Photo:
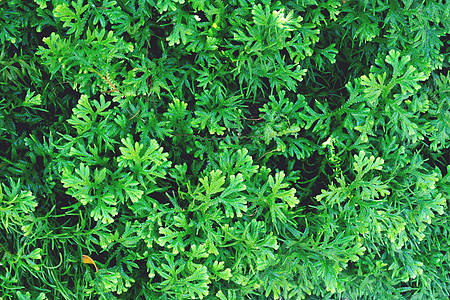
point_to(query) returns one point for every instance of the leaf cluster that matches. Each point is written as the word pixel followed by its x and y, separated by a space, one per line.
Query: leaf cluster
pixel 224 149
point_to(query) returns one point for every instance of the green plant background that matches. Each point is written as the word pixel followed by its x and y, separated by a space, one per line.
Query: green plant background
pixel 209 149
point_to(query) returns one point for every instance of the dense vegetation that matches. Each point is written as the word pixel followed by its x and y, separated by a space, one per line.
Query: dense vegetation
pixel 209 149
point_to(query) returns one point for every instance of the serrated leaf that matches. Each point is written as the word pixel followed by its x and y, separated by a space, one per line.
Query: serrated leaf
pixel 198 282
pixel 230 198
pixel 219 270
pixel 363 164
pixel 72 19
pixel 174 239
pixel 130 187
pixel 328 271
pixel 198 251
pixel 99 176
pixel 130 152
pixel 79 184
pixel 374 87
pixel 31 99
pixel 213 183
pixel 136 155
pixel 104 212
pixel 408 79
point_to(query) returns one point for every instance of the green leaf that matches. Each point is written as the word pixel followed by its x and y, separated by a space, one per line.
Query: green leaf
pixel 197 282
pixel 31 99
pixel 231 197
pixel 42 3
pixel 147 162
pixel 329 271
pixel 79 184
pixel 27 296
pixel 84 115
pixel 268 134
pixel 70 18
pixel 131 188
pixel 278 200
pixel 213 183
pixel 219 270
pixel 131 153
pixel 334 194
pixel 198 251
pixel 106 280
pixel 131 234
pixel 407 77
pixel 30 258
pixel 363 164
pixel 104 212
pixel 329 53
pixel 374 87
pixel 174 239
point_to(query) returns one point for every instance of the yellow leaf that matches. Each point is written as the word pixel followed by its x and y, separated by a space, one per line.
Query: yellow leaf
pixel 88 260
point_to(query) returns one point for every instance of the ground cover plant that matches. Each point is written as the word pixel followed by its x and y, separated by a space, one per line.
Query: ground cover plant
pixel 208 149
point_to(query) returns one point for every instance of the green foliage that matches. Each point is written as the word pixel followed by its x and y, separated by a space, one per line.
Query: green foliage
pixel 17 208
pixel 224 150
